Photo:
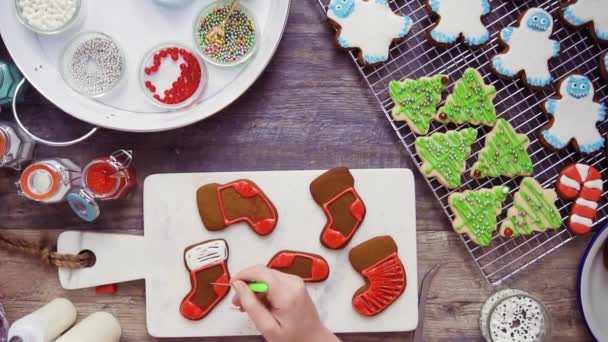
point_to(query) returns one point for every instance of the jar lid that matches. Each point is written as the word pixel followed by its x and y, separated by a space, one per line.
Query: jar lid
pixel 39 181
pixel 84 205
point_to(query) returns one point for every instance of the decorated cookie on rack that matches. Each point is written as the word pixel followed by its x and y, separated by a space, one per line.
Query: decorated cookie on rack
pixel 587 13
pixel 458 19
pixel 416 100
pixel 444 155
pixel 475 212
pixel 604 65
pixel 370 26
pixel 573 117
pixel 583 184
pixel 469 102
pixel 533 210
pixel 377 260
pixel 310 267
pixel 528 49
pixel 504 154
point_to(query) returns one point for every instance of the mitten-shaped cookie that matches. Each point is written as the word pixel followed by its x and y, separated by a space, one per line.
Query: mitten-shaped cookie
pixel 310 267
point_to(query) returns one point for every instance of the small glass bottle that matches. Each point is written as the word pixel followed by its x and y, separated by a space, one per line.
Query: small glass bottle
pixel 50 180
pixel 16 147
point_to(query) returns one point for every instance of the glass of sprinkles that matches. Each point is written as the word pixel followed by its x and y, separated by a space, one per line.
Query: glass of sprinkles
pixel 93 64
pixel 172 76
pixel 48 16
pixel 241 34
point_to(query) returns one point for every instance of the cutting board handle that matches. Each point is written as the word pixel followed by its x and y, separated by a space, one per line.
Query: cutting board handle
pixel 118 258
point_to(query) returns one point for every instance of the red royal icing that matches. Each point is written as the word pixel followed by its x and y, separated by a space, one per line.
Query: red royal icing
pixel 319 267
pixel 189 309
pixel 333 238
pixel 99 180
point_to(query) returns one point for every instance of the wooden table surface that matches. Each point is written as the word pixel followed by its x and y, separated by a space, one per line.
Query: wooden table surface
pixel 309 110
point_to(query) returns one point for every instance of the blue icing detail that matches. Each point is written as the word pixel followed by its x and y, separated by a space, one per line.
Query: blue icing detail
pixel 602 112
pixel 435 5
pixel 550 106
pixel 342 8
pixel 343 43
pixel 578 86
pixel 441 37
pixel 556 48
pixel 594 146
pixel 553 140
pixel 382 2
pixel 485 5
pixel 539 82
pixel 407 25
pixel 477 40
pixel 506 34
pixel 601 35
pixel 540 21
pixel 499 67
pixel 571 17
pixel 606 61
pixel 372 59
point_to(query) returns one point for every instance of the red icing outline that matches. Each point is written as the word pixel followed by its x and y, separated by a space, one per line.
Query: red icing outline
pixel 319 269
pixel 332 238
pixel 589 194
pixel 192 311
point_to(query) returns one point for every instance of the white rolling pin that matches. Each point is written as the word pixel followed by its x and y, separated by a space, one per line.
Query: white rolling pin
pixel 98 327
pixel 44 324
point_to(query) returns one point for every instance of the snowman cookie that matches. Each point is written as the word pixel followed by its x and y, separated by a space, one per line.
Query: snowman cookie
pixel 587 13
pixel 574 115
pixel 528 49
pixel 367 25
pixel 604 65
pixel 458 19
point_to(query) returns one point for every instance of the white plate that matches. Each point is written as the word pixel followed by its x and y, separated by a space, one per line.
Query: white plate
pixel 593 287
pixel 138 26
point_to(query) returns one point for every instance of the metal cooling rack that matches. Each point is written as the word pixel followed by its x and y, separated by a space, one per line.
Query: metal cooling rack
pixel 415 57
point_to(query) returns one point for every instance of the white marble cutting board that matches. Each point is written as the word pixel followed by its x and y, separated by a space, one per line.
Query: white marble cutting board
pixel 172 223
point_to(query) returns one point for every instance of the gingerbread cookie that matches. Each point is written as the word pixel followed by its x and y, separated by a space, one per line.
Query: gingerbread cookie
pixel 469 102
pixel 504 154
pixel 458 19
pixel 370 26
pixel 604 65
pixel 444 155
pixel 528 49
pixel 416 100
pixel 335 192
pixel 240 201
pixel 574 116
pixel 207 263
pixel 583 184
pixel 378 262
pixel 533 210
pixel 475 212
pixel 587 13
pixel 310 267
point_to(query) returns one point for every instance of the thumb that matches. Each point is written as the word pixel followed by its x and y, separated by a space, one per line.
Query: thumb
pixel 260 315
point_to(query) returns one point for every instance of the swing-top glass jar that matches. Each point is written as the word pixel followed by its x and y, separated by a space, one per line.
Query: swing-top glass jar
pixel 50 180
pixel 16 147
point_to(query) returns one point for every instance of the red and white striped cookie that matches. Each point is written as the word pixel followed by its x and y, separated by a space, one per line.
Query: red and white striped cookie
pixel 583 184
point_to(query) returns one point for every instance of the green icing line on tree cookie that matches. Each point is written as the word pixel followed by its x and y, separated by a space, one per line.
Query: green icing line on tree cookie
pixel 504 153
pixel 446 153
pixel 536 211
pixel 471 101
pixel 416 100
pixel 477 210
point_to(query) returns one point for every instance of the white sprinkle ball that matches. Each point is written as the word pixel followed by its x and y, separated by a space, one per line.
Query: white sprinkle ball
pixel 47 15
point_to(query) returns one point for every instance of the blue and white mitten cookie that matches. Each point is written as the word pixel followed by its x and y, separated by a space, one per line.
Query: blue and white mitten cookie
pixel 458 19
pixel 528 49
pixel 592 14
pixel 574 115
pixel 604 64
pixel 367 25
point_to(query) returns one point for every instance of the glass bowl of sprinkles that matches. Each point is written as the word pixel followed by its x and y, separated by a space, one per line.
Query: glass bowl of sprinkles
pixel 172 76
pixel 93 64
pixel 241 34
pixel 48 16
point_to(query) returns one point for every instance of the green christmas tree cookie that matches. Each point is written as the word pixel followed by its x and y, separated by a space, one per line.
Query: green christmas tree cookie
pixel 470 101
pixel 416 100
pixel 504 154
pixel 444 154
pixel 533 210
pixel 475 212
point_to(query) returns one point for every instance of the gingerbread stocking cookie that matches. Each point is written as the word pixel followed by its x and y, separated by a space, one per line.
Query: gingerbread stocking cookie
pixel 589 13
pixel 335 192
pixel 574 115
pixel 207 263
pixel 459 18
pixel 583 184
pixel 370 26
pixel 378 262
pixel 240 201
pixel 310 267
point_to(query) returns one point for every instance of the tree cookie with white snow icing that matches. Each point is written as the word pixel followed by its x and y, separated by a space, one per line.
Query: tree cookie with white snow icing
pixel 458 19
pixel 528 49
pixel 574 115
pixel 587 13
pixel 367 25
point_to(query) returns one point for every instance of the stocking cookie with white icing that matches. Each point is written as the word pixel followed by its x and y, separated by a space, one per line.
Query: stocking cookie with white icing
pixel 458 19
pixel 367 25
pixel 587 13
pixel 604 65
pixel 574 115
pixel 528 49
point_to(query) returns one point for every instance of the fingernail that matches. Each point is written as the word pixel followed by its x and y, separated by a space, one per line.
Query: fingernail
pixel 236 308
pixel 239 286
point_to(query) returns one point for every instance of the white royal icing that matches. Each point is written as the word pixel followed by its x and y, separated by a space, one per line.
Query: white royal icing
pixel 570 182
pixel 460 17
pixel 581 220
pixel 583 170
pixel 206 254
pixel 595 184
pixel 582 12
pixel 368 25
pixel 586 203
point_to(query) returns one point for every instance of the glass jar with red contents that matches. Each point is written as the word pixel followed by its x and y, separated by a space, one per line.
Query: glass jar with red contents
pixel 16 147
pixel 49 181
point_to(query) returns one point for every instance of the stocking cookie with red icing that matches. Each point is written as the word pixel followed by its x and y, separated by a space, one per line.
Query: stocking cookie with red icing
pixel 335 192
pixel 310 267
pixel 239 201
pixel 207 263
pixel 583 184
pixel 378 262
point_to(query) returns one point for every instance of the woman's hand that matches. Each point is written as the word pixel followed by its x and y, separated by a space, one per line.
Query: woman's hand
pixel 286 312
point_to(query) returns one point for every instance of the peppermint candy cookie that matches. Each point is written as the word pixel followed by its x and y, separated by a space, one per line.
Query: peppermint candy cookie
pixel 367 25
pixel 527 49
pixel 587 13
pixel 458 19
pixel 574 115
pixel 583 184
pixel 604 65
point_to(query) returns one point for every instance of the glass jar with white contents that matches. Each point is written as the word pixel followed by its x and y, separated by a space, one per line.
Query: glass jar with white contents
pixel 50 180
pixel 49 17
pixel 16 147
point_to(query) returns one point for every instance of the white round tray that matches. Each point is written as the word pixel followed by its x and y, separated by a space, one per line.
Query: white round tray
pixel 138 26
